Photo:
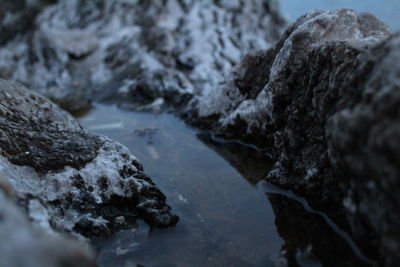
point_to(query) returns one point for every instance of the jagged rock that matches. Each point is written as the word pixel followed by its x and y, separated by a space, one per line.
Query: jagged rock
pixel 34 132
pixel 66 179
pixel 245 102
pixel 325 99
pixel 150 55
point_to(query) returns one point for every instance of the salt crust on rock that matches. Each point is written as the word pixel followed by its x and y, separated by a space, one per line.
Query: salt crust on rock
pixel 78 194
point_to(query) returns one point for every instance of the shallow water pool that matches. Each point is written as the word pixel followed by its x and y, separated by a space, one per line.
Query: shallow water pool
pixel 225 218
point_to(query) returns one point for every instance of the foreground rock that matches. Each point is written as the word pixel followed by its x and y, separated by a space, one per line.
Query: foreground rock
pixel 326 99
pixel 67 180
pixel 23 245
pixel 154 55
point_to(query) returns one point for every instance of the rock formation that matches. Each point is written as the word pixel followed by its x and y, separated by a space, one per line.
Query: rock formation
pixel 325 100
pixel 153 54
pixel 66 179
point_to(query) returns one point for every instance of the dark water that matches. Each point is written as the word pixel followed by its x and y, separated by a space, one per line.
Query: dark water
pixel 386 10
pixel 228 217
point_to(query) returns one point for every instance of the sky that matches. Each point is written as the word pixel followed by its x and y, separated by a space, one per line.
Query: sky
pixel 386 10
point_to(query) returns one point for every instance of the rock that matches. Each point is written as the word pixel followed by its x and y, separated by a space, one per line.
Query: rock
pixel 38 248
pixel 363 144
pixel 68 180
pixel 16 17
pixel 325 98
pixel 36 133
pixel 144 56
pixel 242 102
pixel 75 102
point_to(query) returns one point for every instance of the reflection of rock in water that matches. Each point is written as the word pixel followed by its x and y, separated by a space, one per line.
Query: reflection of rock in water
pixel 308 236
pixel 309 239
pixel 253 164
pixel 148 133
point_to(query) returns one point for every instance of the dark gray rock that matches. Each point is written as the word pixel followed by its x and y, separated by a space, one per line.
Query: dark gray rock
pixel 363 144
pixel 325 98
pixel 66 179
pixel 149 55
pixel 34 132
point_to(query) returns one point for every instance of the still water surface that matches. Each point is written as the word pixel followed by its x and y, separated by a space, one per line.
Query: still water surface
pixel 225 218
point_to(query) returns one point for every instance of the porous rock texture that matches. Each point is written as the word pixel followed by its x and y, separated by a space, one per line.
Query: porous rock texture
pixel 325 98
pixel 68 180
pixel 154 54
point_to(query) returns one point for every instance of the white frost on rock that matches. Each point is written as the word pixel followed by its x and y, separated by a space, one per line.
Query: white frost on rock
pixel 61 187
pixel 66 179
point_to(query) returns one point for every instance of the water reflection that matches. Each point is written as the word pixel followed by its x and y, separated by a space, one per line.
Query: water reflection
pixel 250 162
pixel 311 238
pixel 225 219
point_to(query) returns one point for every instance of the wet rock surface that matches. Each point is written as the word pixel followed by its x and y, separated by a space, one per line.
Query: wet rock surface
pixel 325 99
pixel 67 180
